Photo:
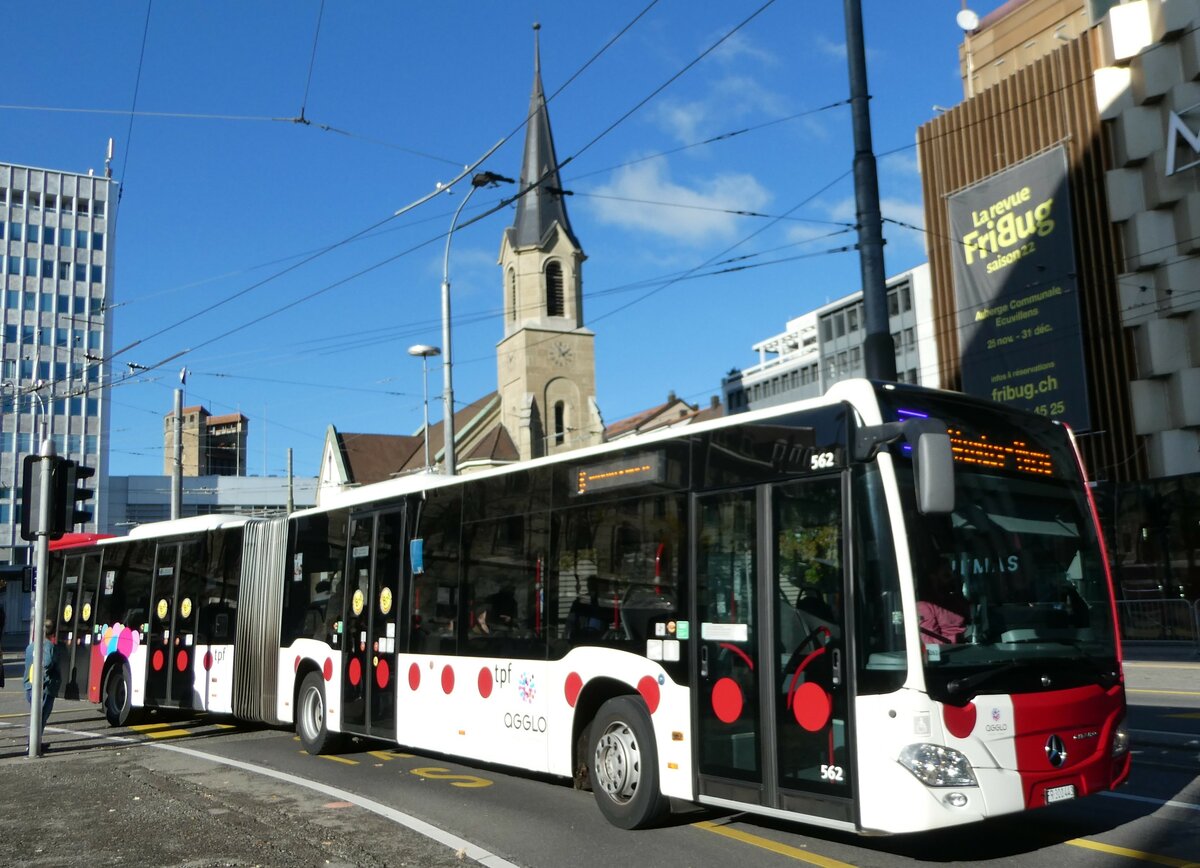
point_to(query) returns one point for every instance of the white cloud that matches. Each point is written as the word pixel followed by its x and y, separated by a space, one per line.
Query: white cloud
pixel 694 224
pixel 901 163
pixel 740 48
pixel 834 49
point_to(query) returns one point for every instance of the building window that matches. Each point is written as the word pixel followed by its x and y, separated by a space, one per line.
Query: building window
pixel 80 272
pixel 560 423
pixel 66 237
pixel 554 290
pixel 98 209
pixel 81 237
pixel 97 274
pixel 48 234
pixel 97 241
pixel 32 233
pixel 16 232
pixel 51 202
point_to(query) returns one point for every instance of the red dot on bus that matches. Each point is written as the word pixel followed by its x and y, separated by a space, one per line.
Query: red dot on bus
pixel 648 687
pixel 727 700
pixel 181 661
pixel 354 672
pixel 572 687
pixel 383 673
pixel 485 682
pixel 959 721
pixel 295 664
pixel 812 706
pixel 157 660
pixel 447 679
pixel 414 676
pixel 327 669
pixel 208 661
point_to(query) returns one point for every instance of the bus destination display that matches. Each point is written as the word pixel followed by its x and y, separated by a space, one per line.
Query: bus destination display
pixel 631 470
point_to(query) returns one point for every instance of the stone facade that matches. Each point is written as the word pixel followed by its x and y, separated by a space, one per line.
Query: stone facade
pixel 1148 94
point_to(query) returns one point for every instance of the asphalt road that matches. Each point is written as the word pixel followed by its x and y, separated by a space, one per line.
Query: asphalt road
pixel 187 792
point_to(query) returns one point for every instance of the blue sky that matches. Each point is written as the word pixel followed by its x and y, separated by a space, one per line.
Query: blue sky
pixel 225 198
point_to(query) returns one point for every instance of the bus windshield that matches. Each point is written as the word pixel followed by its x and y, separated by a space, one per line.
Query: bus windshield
pixel 1012 591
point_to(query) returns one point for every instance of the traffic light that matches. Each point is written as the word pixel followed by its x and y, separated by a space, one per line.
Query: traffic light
pixel 33 467
pixel 71 502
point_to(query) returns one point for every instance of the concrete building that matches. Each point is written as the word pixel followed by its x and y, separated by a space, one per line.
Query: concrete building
pixel 823 346
pixel 56 271
pixel 1113 94
pixel 135 500
pixel 212 445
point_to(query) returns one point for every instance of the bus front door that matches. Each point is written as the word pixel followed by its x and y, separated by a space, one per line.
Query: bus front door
pixel 375 566
pixel 772 698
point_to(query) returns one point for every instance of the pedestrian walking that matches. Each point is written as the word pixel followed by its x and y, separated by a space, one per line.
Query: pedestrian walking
pixel 51 678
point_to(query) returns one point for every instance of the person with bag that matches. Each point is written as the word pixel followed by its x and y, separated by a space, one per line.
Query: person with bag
pixel 51 678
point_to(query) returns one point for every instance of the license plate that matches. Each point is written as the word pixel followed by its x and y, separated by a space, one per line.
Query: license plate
pixel 1060 794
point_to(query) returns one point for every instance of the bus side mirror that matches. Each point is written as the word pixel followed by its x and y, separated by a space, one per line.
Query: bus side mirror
pixel 933 468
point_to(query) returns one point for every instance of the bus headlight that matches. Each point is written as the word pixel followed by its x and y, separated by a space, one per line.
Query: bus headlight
pixel 938 766
pixel 1120 740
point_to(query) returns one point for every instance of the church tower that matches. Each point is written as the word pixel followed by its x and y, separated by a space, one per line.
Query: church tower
pixel 546 361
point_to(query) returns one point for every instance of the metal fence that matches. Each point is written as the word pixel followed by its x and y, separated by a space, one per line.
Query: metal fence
pixel 1160 620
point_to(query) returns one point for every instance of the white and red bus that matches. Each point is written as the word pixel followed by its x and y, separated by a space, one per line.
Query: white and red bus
pixel 883 611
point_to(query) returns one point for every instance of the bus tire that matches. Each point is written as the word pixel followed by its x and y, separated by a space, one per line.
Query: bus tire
pixel 310 716
pixel 624 765
pixel 117 695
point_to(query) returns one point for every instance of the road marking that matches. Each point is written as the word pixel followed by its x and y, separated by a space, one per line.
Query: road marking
pixel 1133 854
pixel 773 846
pixel 1191 715
pixel 26 714
pixel 1172 803
pixel 1165 692
pixel 448 839
pixel 434 773
pixel 158 730
pixel 382 754
pixel 334 759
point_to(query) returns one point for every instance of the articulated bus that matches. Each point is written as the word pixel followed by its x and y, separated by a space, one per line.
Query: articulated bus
pixel 883 611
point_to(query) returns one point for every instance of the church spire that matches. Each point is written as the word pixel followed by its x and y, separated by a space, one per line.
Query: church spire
pixel 542 207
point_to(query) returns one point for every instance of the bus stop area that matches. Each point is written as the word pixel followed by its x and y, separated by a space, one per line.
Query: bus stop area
pixel 112 797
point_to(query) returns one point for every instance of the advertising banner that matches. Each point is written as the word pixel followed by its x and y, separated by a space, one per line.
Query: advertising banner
pixel 1019 333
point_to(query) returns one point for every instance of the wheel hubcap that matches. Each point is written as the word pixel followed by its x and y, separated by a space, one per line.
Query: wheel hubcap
pixel 314 714
pixel 617 762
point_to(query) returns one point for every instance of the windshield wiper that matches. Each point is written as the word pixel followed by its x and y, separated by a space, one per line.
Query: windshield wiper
pixel 970 682
pixel 1106 677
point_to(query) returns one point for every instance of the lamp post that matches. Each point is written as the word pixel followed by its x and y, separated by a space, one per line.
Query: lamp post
pixel 481 179
pixel 425 351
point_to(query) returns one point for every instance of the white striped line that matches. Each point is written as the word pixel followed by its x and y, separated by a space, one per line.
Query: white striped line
pixel 469 850
pixel 1172 803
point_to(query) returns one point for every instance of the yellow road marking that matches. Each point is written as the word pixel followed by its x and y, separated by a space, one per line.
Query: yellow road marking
pixel 336 759
pixel 1133 854
pixel 159 730
pixel 773 846
pixel 1194 715
pixel 382 754
pixel 26 714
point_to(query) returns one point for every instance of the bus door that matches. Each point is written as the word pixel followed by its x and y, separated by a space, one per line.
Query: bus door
pixel 170 643
pixel 371 622
pixel 62 596
pixel 76 603
pixel 772 698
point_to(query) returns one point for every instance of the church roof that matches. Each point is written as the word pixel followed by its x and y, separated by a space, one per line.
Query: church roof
pixel 376 457
pixel 543 206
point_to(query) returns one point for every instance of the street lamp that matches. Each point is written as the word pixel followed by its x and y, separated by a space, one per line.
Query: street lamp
pixel 425 351
pixel 481 179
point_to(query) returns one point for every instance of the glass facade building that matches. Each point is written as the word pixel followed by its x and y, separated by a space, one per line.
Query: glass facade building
pixel 56 273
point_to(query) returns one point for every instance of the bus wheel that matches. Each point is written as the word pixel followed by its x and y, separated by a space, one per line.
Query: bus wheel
pixel 310 716
pixel 117 697
pixel 624 765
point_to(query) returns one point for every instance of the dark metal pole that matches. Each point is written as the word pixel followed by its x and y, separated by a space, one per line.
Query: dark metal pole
pixel 879 350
